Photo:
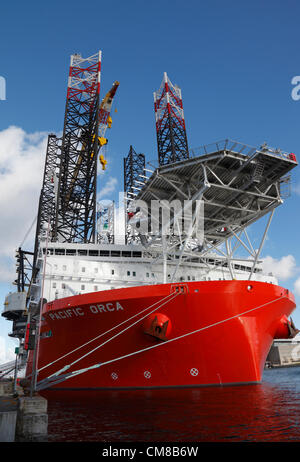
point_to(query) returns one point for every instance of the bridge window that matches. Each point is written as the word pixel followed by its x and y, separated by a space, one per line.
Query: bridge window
pixel 59 251
pixel 93 253
pixel 136 254
pixel 82 287
pixel 49 251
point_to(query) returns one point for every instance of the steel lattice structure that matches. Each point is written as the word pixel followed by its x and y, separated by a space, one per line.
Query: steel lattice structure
pixel 172 142
pixel 76 201
pixel 46 210
pixel 134 174
pixel 105 222
pixel 134 166
pixel 237 184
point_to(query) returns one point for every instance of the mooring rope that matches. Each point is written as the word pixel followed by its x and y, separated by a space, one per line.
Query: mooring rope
pixel 104 333
pixel 162 302
pixel 81 371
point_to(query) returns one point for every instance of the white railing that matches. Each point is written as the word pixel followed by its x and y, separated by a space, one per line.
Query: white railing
pixel 240 148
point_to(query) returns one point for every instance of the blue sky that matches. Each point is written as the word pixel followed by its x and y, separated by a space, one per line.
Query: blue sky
pixel 234 62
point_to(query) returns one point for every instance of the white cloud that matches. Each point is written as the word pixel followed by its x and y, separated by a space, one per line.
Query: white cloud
pixel 7 353
pixel 283 269
pixel 297 288
pixel 22 158
pixel 109 188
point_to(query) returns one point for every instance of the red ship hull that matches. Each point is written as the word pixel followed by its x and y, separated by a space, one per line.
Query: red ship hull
pixel 168 335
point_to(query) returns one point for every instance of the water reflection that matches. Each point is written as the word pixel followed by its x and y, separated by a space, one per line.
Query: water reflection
pixel 264 412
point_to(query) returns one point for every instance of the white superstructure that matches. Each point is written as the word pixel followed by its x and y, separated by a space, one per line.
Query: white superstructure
pixel 72 269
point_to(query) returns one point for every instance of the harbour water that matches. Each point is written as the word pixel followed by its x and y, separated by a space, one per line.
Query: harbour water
pixel 266 412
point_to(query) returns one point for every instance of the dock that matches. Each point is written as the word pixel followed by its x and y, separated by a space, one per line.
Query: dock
pixel 22 418
pixel 284 353
pixel 8 418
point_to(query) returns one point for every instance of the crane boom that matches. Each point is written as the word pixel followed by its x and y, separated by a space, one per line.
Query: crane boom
pixel 104 122
pixel 105 119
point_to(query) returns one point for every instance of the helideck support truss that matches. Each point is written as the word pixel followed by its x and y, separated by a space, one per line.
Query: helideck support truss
pixel 171 136
pixel 76 200
pixel 237 184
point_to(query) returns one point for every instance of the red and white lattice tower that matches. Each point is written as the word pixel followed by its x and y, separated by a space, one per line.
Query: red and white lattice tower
pixel 170 124
pixel 76 200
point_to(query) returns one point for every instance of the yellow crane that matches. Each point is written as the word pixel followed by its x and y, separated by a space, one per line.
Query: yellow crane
pixel 105 121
